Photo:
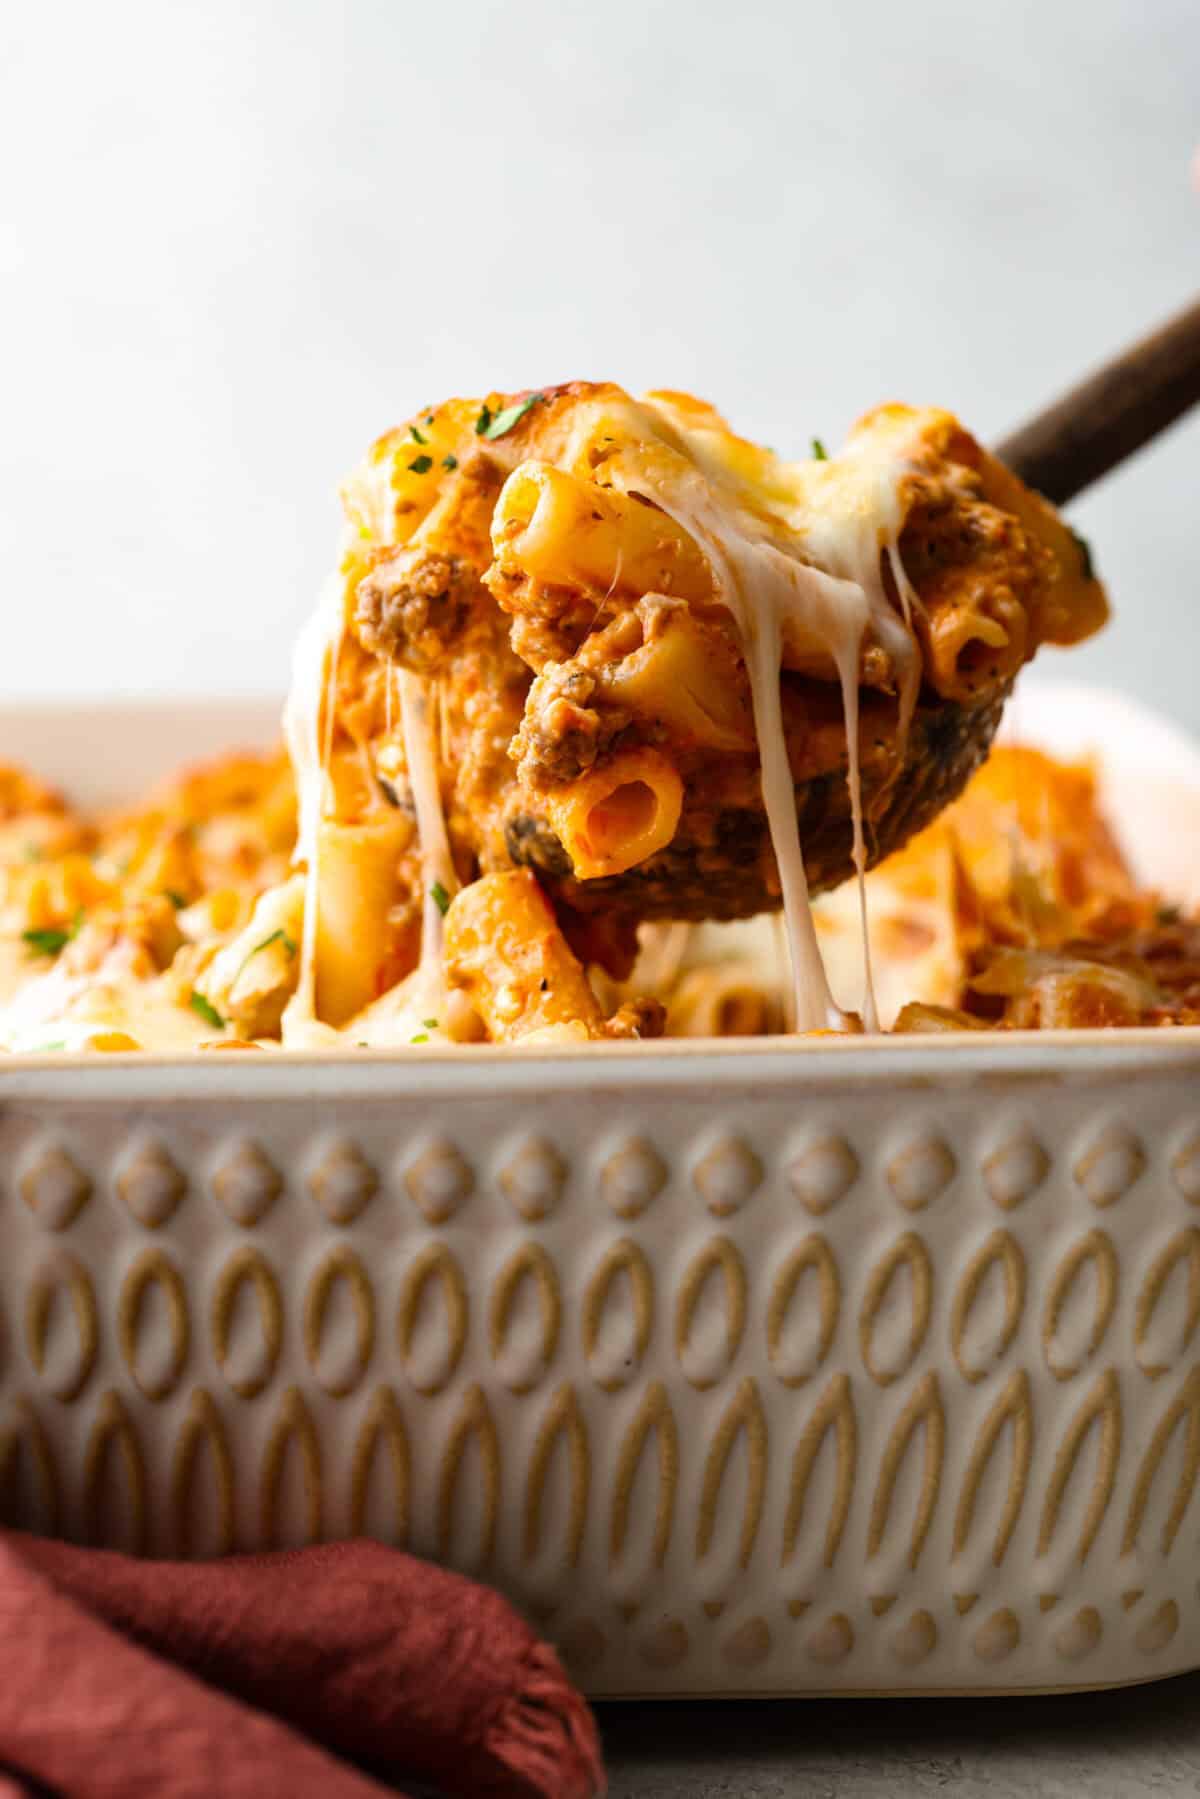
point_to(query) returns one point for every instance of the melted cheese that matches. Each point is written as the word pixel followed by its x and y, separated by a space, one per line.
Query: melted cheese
pixel 407 1011
pixel 437 864
pixel 858 518
pixel 64 1012
pixel 307 727
pixel 848 514
pixel 419 1008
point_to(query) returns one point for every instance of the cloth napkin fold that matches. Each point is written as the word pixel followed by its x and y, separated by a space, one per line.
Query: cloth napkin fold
pixel 254 1675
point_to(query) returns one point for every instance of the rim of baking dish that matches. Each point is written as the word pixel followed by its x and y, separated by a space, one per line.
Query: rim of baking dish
pixel 946 1059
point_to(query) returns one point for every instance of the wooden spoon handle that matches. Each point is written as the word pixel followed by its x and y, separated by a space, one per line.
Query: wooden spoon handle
pixel 1110 414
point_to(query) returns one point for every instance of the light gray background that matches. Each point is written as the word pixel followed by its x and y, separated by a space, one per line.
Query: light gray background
pixel 241 238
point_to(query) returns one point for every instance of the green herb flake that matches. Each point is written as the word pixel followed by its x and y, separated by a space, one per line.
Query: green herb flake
pixel 1085 554
pixel 431 1024
pixel 176 898
pixel 78 922
pixel 450 461
pixel 421 465
pixel 46 943
pixel 820 453
pixel 418 437
pixel 484 421
pixel 280 936
pixel 47 1049
pixel 504 421
pixel 419 1038
pixel 440 898
pixel 201 1007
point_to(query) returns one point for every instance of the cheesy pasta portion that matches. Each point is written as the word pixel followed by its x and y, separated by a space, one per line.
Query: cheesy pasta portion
pixel 595 565
pixel 594 675
pixel 1015 909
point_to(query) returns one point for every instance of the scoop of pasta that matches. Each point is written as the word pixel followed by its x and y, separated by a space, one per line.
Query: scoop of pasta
pixel 631 621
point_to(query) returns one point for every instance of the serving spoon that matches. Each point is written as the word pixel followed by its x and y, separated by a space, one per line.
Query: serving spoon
pixel 1111 414
pixel 1067 447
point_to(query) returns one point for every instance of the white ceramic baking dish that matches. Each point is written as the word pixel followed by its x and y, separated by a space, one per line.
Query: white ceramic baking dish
pixel 837 1366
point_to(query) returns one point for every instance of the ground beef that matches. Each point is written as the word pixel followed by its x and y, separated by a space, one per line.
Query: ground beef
pixel 412 606
pixel 563 733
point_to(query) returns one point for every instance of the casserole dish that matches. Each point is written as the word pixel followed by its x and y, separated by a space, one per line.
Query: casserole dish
pixel 840 1365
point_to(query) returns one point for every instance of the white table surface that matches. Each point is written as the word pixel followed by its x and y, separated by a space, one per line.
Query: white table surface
pixel 1145 1740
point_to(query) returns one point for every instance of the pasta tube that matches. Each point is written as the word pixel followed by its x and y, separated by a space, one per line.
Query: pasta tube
pixel 505 952
pixel 618 813
pixel 357 887
pixel 551 529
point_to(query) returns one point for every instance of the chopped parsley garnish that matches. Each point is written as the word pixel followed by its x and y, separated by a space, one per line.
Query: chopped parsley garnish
pixel 429 418
pixel 440 898
pixel 1085 554
pixel 421 465
pixel 450 461
pixel 417 436
pixel 431 1024
pixel 504 421
pixel 201 1007
pixel 276 936
pixel 46 1049
pixel 388 791
pixel 176 898
pixel 820 453
pixel 280 936
pixel 46 943
pixel 483 422
pixel 419 1038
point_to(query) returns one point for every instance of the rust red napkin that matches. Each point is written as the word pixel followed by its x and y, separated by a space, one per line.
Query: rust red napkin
pixel 256 1675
